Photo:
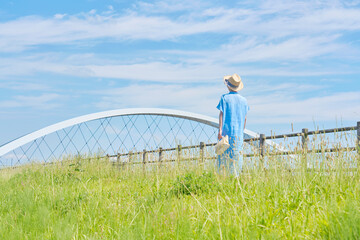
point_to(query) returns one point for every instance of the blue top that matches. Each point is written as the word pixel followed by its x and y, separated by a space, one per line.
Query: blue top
pixel 234 108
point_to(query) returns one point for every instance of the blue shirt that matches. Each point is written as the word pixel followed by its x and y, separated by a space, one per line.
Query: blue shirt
pixel 234 108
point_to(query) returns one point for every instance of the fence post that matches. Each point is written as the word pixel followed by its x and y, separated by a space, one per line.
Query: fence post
pixel 262 144
pixel 304 142
pixel 179 150
pixel 144 159
pixel 130 156
pixel 202 146
pixel 118 159
pixel 304 139
pixel 160 154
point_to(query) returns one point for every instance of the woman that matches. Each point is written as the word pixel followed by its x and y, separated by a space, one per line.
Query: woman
pixel 232 120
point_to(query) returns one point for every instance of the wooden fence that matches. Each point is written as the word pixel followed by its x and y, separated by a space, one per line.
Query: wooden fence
pixel 304 134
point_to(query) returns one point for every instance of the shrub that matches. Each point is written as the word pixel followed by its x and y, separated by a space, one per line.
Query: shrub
pixel 195 183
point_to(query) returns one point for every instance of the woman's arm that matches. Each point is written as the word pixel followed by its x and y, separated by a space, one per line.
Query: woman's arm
pixel 220 125
pixel 245 123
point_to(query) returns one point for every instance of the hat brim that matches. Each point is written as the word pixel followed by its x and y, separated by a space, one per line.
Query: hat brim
pixel 241 85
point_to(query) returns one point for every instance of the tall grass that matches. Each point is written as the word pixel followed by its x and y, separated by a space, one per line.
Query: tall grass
pixel 93 199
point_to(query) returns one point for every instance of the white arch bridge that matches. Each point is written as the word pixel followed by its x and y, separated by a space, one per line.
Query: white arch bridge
pixel 112 132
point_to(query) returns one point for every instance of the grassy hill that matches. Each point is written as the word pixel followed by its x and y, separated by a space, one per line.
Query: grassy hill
pixel 82 199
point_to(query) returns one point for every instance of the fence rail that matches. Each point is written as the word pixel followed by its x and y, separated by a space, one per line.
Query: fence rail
pixel 304 134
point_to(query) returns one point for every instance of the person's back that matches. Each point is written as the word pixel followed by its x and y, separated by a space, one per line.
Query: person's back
pixel 232 120
pixel 234 108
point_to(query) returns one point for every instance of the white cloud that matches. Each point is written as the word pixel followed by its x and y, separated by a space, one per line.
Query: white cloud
pixel 269 105
pixel 42 102
pixel 159 72
pixel 208 69
pixel 291 90
pixel 168 6
pixel 256 50
pixel 190 98
pixel 257 36
pixel 301 48
pixel 24 86
pixel 312 19
pixel 284 108
pixel 59 16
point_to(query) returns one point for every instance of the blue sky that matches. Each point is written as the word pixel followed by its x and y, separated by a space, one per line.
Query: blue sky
pixel 299 60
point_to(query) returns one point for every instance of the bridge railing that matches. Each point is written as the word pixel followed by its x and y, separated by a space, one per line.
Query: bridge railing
pixel 205 151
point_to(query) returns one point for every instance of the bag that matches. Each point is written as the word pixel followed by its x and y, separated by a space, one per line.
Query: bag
pixel 222 145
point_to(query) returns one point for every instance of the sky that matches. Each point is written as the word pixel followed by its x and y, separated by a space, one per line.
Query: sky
pixel 299 60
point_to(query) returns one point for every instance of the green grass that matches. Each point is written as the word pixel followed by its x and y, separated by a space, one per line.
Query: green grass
pixel 82 199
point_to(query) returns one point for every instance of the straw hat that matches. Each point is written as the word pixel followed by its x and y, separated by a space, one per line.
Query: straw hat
pixel 234 82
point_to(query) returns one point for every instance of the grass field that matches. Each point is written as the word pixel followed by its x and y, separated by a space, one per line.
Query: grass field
pixel 82 199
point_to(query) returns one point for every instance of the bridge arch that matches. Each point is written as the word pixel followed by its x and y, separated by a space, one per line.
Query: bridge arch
pixel 38 137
